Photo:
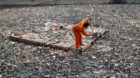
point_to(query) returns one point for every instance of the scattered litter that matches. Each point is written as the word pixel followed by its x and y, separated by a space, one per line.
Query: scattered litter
pixel 116 55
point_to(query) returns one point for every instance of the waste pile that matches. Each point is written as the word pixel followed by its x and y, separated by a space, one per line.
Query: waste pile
pixel 116 55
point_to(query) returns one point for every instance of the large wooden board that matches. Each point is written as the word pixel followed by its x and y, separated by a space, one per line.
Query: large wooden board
pixel 52 34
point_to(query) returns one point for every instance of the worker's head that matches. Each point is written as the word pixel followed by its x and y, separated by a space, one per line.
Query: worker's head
pixel 86 24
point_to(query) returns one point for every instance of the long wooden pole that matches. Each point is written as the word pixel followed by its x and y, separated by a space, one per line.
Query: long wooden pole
pixel 91 16
pixel 92 43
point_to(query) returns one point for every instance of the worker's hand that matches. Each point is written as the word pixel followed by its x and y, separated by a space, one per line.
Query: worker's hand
pixel 94 35
pixel 82 44
pixel 103 33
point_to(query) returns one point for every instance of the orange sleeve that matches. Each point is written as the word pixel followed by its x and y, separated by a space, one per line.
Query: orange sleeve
pixel 85 33
pixel 85 20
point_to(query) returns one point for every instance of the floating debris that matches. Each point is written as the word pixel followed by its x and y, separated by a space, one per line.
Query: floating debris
pixel 116 55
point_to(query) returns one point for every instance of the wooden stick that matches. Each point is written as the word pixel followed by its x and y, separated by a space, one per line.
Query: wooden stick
pixel 92 43
pixel 91 16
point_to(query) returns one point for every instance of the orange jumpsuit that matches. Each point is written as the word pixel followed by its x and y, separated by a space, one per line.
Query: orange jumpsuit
pixel 78 29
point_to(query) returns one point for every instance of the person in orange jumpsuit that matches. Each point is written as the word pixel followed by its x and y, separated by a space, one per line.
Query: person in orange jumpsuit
pixel 79 29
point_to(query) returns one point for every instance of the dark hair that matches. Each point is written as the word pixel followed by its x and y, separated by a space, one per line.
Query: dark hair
pixel 86 24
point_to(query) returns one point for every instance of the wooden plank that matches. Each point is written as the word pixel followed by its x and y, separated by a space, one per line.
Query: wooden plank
pixel 16 39
pixel 57 47
pixel 65 46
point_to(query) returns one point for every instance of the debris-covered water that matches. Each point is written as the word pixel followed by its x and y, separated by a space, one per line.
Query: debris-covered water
pixel 117 55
